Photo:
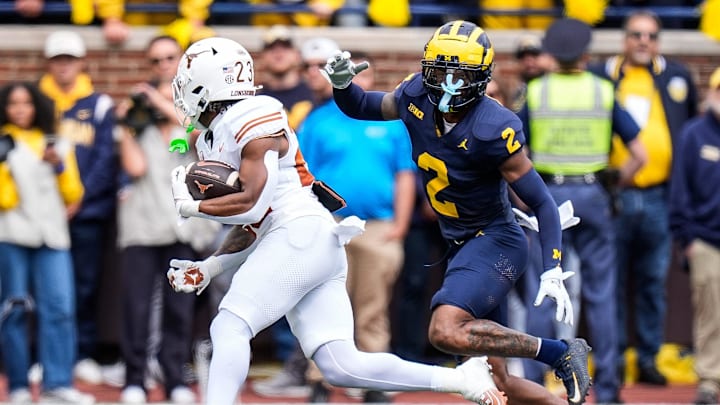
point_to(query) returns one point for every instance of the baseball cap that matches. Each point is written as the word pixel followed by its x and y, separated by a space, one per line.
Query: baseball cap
pixel 528 44
pixel 567 39
pixel 319 49
pixel 277 34
pixel 64 43
pixel 714 81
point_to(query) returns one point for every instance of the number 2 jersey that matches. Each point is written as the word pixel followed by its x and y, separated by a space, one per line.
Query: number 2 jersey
pixel 254 118
pixel 460 168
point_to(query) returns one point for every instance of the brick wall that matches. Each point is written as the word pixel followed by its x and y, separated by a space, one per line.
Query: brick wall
pixel 114 71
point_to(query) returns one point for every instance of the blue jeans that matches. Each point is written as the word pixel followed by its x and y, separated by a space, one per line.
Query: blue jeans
pixel 643 250
pixel 46 275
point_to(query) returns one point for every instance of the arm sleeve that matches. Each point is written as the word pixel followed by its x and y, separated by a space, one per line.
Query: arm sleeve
pixel 232 261
pixel 532 190
pixel 360 104
pixel 623 124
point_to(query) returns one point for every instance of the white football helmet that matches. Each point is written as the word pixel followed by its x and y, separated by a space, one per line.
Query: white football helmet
pixel 213 69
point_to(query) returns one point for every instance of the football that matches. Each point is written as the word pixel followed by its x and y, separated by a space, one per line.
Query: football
pixel 210 179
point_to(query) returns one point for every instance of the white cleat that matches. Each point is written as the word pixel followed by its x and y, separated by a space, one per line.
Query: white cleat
pixel 479 385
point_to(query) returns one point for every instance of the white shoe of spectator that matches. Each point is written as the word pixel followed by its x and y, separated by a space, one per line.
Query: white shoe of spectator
pixel 67 395
pixel 114 375
pixel 133 395
pixel 282 384
pixel 20 396
pixel 88 371
pixel 182 395
pixel 35 374
pixel 153 373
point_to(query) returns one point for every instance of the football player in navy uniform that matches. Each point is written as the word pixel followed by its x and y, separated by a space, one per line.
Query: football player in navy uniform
pixel 469 149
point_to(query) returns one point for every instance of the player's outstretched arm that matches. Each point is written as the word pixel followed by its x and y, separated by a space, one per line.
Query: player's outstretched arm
pixel 527 184
pixel 194 276
pixel 353 100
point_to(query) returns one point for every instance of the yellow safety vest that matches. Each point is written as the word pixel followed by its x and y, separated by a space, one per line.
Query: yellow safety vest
pixel 570 123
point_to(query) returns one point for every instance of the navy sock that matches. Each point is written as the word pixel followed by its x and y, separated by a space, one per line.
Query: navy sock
pixel 551 350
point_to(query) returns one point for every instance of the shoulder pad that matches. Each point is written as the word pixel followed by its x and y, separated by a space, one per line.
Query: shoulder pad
pixel 254 117
pixel 412 85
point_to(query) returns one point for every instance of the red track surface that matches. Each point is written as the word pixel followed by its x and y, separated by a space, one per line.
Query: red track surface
pixel 636 394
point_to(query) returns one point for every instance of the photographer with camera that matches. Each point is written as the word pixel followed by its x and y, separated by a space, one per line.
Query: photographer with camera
pixel 146 104
pixel 148 232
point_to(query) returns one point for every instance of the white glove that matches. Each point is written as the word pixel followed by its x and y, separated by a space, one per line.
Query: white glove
pixel 565 210
pixel 551 285
pixel 526 220
pixel 188 276
pixel 567 215
pixel 340 70
pixel 185 205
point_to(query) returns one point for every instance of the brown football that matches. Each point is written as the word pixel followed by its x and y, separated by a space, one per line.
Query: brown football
pixel 210 179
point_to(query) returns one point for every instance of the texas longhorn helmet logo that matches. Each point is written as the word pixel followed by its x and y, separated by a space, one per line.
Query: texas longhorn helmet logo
pixel 191 56
pixel 203 187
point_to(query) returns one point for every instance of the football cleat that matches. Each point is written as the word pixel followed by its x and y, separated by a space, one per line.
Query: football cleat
pixel 572 369
pixel 479 385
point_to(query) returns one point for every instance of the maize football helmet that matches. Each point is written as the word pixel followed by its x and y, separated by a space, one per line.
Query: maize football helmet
pixel 212 69
pixel 457 65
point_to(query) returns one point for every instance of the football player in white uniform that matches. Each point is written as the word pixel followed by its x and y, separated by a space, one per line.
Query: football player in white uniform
pixel 286 244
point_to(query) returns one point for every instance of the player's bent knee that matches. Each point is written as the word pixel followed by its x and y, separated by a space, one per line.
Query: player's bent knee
pixel 342 365
pixel 448 329
pixel 228 328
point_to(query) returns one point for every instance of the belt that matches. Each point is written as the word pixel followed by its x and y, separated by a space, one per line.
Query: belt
pixel 558 179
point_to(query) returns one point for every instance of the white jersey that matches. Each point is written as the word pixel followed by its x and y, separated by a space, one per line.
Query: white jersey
pixel 259 117
pixel 297 265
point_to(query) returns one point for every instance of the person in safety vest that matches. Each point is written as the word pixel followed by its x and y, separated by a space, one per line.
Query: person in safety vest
pixel 569 119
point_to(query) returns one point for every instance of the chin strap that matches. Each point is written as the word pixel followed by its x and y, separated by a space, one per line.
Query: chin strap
pixel 450 89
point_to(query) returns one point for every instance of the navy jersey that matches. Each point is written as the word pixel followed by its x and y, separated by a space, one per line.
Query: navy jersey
pixel 460 169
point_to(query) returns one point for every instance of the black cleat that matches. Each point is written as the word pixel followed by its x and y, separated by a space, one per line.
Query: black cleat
pixel 651 375
pixel 372 396
pixel 320 393
pixel 572 369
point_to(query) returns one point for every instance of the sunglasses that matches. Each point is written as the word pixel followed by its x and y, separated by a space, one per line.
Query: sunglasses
pixel 157 61
pixel 319 65
pixel 652 36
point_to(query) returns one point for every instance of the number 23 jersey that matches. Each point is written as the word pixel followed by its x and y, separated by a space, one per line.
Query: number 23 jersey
pixel 460 168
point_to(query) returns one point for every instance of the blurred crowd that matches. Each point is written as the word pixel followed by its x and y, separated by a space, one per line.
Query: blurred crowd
pixel 85 181
pixel 190 20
